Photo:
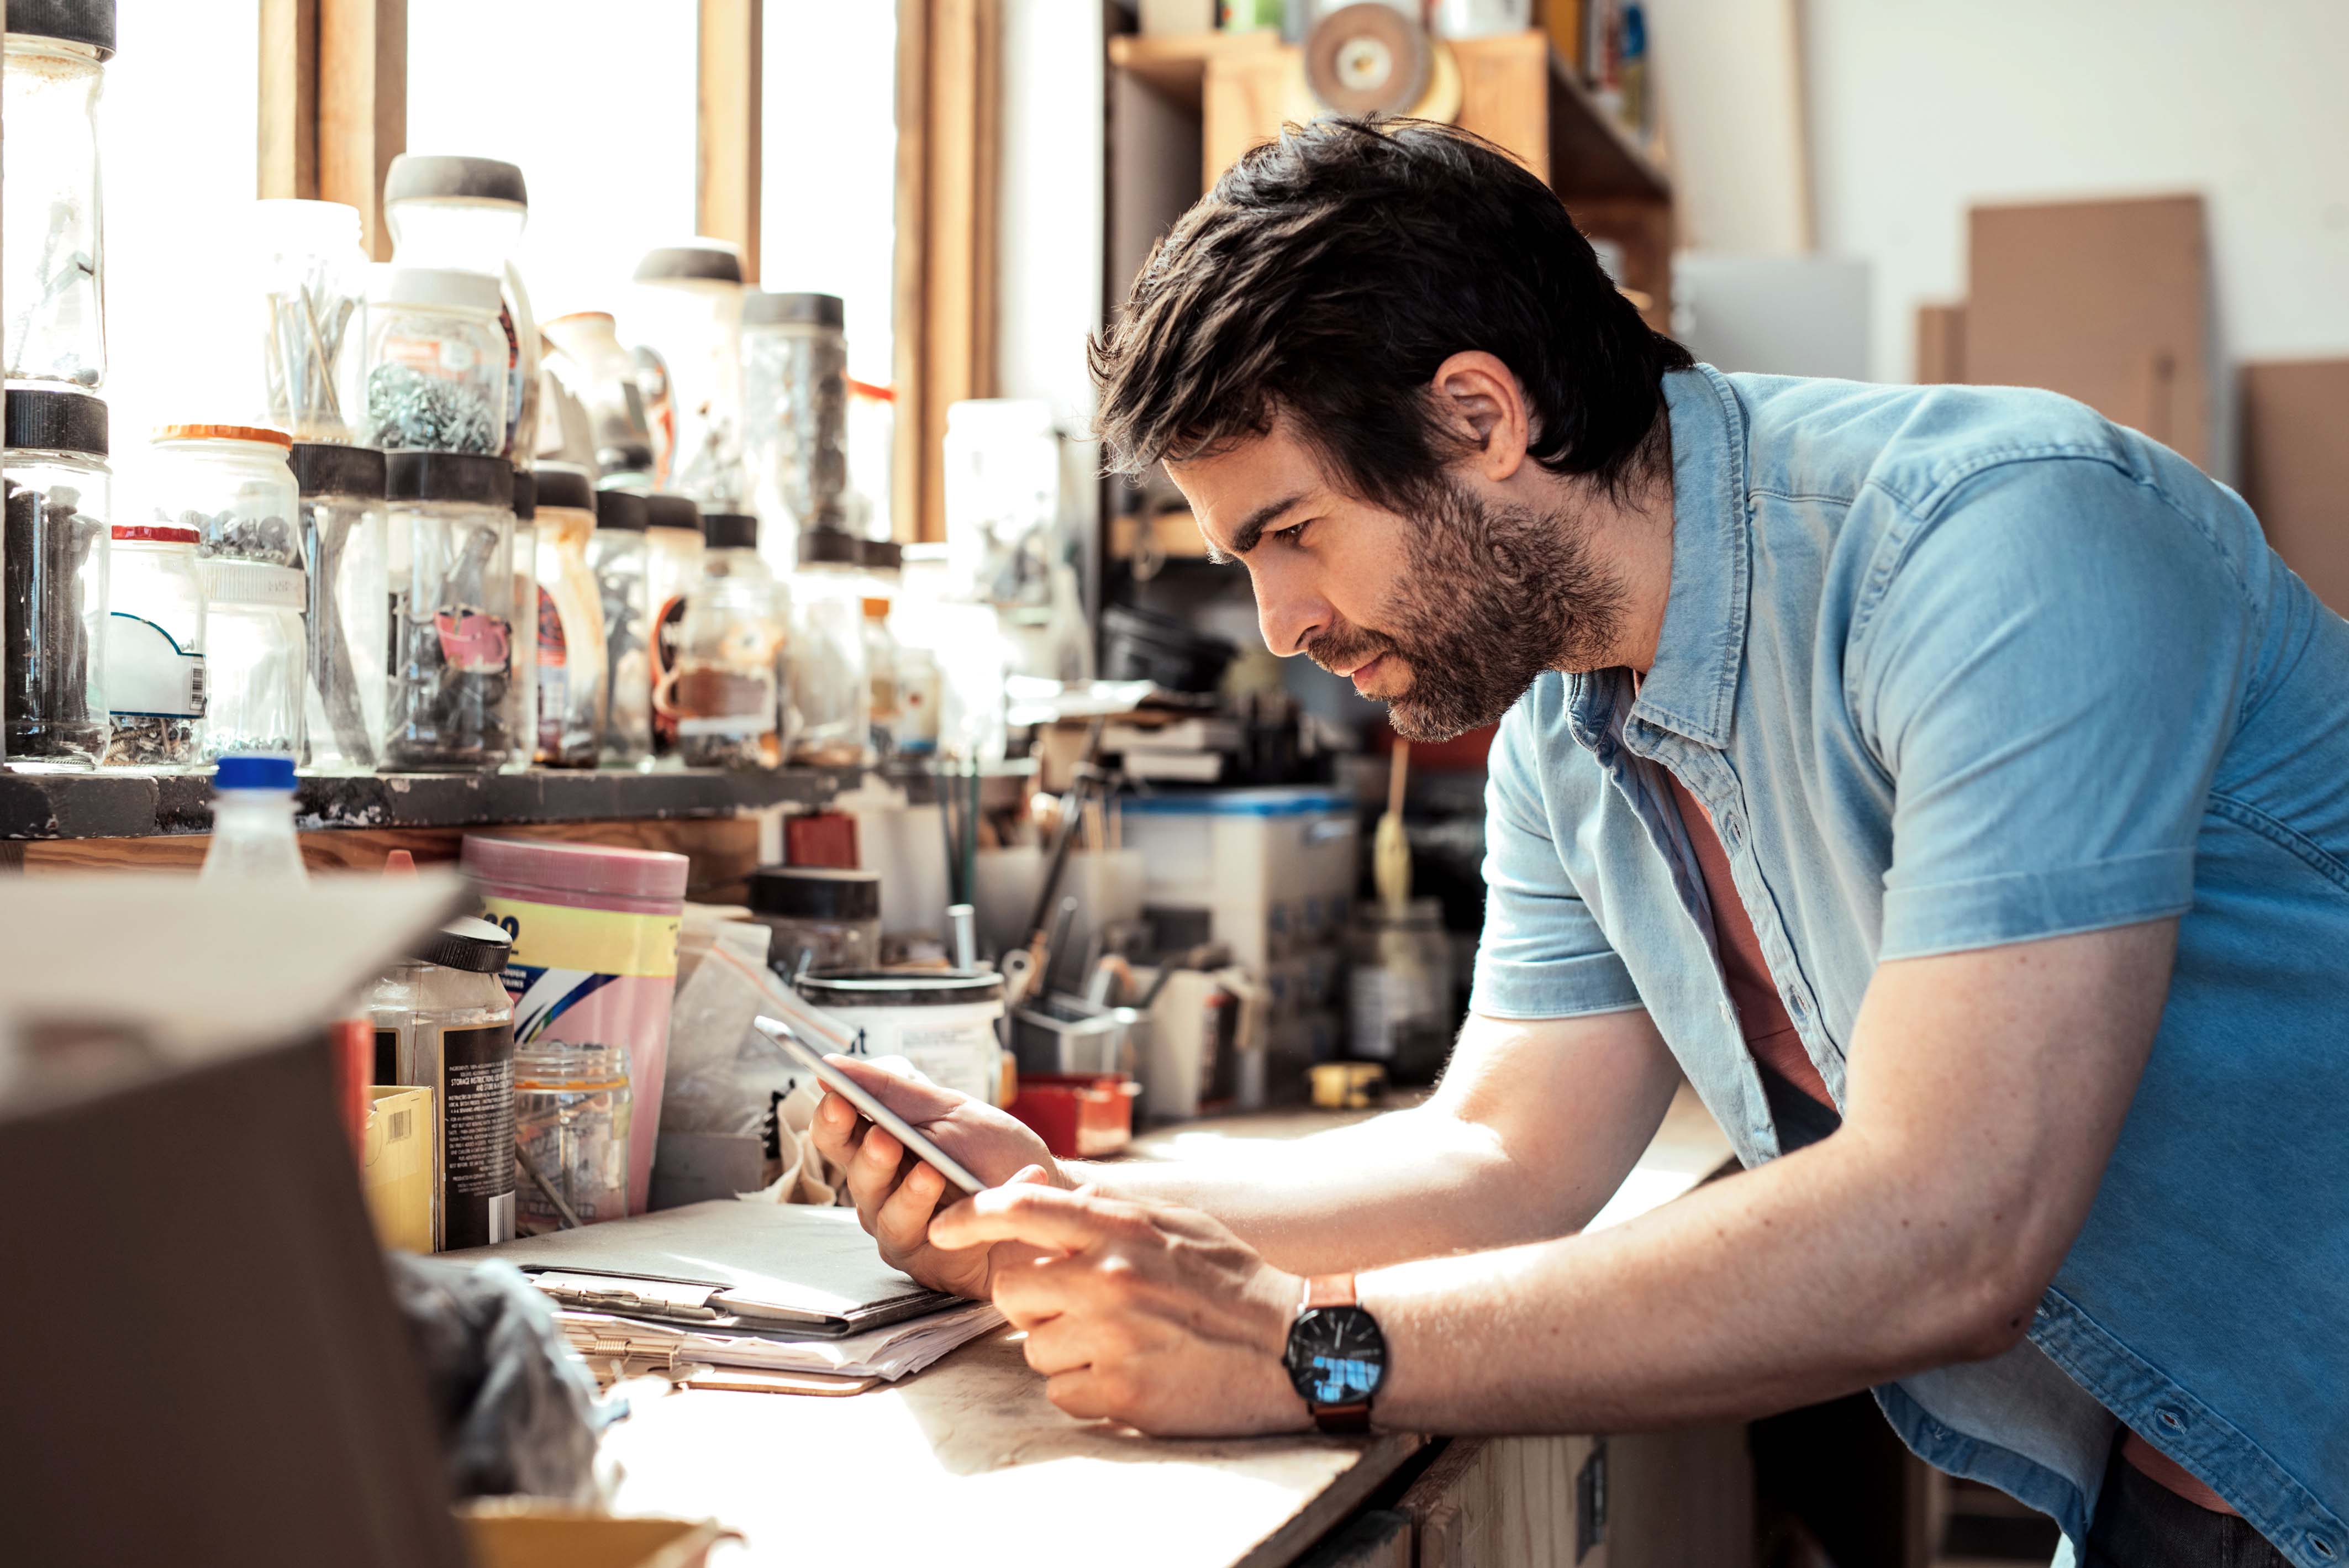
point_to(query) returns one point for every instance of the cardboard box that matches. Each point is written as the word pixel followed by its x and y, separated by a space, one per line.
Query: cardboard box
pixel 528 1536
pixel 395 1167
pixel 2295 474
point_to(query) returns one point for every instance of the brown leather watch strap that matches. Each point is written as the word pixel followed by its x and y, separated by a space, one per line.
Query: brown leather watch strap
pixel 1329 1290
pixel 1342 1420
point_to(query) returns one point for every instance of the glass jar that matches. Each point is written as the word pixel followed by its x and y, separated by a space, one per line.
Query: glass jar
pixel 154 649
pixel 687 305
pixel 831 702
pixel 444 1020
pixel 436 362
pixel 256 663
pixel 881 676
pixel 522 682
pixel 349 608
pixel 230 484
pixel 795 397
pixel 573 1110
pixel 672 549
pixel 53 262
pixel 313 275
pixel 451 574
pixel 616 555
pixel 1002 477
pixel 54 607
pixel 721 697
pixel 821 918
pixel 468 213
pixel 571 654
pixel 607 382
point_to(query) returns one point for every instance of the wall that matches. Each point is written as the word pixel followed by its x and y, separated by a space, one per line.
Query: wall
pixel 1729 113
pixel 1919 108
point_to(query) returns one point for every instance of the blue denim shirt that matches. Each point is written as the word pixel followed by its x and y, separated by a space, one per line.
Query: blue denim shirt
pixel 1956 667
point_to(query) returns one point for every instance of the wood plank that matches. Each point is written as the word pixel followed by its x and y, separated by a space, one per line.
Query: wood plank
pixel 362 107
pixel 2295 467
pixel 727 127
pixel 723 850
pixel 1176 65
pixel 2107 302
pixel 1505 94
pixel 1243 99
pixel 909 320
pixel 1940 344
pixel 1680 1499
pixel 289 99
pixel 974 1441
pixel 962 44
pixel 1512 1502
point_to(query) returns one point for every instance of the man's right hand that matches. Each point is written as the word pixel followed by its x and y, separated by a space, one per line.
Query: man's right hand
pixel 897 1194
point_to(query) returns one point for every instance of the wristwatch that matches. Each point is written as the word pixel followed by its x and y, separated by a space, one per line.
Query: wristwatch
pixel 1336 1358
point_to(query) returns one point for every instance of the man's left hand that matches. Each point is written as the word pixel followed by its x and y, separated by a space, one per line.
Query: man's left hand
pixel 1146 1314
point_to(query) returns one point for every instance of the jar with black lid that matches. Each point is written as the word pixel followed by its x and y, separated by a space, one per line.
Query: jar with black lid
pixel 54 257
pixel 451 591
pixel 343 539
pixel 822 919
pixel 53 609
pixel 616 555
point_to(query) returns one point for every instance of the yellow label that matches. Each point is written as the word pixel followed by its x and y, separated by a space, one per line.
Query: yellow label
pixel 602 942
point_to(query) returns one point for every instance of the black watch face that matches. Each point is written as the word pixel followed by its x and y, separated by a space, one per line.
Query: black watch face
pixel 1335 1355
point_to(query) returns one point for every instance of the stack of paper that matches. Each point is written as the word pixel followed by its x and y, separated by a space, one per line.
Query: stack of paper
pixel 887 1354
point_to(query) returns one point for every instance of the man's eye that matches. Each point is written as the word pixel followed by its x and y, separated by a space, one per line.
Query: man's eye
pixel 1296 535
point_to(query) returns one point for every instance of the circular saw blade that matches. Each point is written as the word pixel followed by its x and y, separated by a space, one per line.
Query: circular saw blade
pixel 1366 59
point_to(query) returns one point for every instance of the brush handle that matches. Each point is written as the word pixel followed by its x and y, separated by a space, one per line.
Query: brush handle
pixel 1398 770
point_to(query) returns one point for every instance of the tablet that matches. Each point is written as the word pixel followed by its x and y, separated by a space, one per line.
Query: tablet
pixel 874 1111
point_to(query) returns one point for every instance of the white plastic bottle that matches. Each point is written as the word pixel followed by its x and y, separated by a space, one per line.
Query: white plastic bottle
pixel 252 822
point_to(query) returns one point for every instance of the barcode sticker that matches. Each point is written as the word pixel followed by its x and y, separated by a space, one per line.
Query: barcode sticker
pixel 401 1121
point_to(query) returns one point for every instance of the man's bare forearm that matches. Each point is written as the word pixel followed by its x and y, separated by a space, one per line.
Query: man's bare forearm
pixel 1533 1130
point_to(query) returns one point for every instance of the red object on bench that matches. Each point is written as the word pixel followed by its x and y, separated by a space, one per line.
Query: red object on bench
pixel 1079 1115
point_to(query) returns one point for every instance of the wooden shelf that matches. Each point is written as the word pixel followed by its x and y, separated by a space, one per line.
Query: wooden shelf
pixel 1592 156
pixel 1177 64
pixel 36 806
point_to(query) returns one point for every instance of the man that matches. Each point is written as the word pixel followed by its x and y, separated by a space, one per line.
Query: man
pixel 1952 785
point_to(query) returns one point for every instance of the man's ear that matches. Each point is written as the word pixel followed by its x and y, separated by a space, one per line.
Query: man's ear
pixel 1479 397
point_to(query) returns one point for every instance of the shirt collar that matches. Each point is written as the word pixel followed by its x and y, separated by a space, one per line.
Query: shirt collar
pixel 1692 687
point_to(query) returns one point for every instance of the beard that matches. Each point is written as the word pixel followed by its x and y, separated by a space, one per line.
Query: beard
pixel 1491 597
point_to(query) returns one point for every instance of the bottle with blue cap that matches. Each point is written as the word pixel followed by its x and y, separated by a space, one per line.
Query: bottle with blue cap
pixel 252 822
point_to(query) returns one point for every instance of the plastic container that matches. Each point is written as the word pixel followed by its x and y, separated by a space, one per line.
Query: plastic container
pixel 443 1019
pixel 821 918
pixel 721 695
pixel 595 956
pixel 154 649
pixel 1079 1115
pixel 945 1022
pixel 252 822
pixel 233 484
pixel 437 356
pixel 312 317
pixel 830 714
pixel 54 551
pixel 451 577
pixel 257 659
pixel 616 555
pixel 1273 870
pixel 571 654
pixel 620 427
pixel 1142 645
pixel 573 1113
pixel 673 550
pixel 795 396
pixel 521 680
pixel 349 605
pixel 53 264
pixel 687 304
pixel 881 677
pixel 467 213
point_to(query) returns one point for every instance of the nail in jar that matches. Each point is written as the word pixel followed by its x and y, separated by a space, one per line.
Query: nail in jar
pixel 572 1116
pixel 53 609
pixel 468 213
pixel 451 578
pixel 313 275
pixel 349 606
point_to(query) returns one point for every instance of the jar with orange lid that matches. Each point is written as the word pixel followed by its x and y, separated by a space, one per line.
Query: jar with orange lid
pixel 233 484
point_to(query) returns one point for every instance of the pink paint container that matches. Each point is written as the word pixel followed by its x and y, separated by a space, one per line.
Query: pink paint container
pixel 594 958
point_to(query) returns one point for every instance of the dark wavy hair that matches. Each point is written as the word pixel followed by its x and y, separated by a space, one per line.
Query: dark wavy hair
pixel 1328 273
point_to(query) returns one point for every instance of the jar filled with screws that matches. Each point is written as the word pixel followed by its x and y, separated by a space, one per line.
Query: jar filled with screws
pixel 451 574
pixel 350 602
pixel 52 267
pixel 521 680
pixel 54 606
pixel 573 1110
pixel 255 659
pixel 795 391
pixel 469 213
pixel 314 315
pixel 571 650
pixel 154 649
pixel 617 555
pixel 232 484
pixel 436 362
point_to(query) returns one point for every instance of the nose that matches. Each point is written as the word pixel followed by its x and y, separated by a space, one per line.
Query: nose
pixel 1287 610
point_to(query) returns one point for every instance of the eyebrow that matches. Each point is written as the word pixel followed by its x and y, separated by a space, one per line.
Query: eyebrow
pixel 1245 538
